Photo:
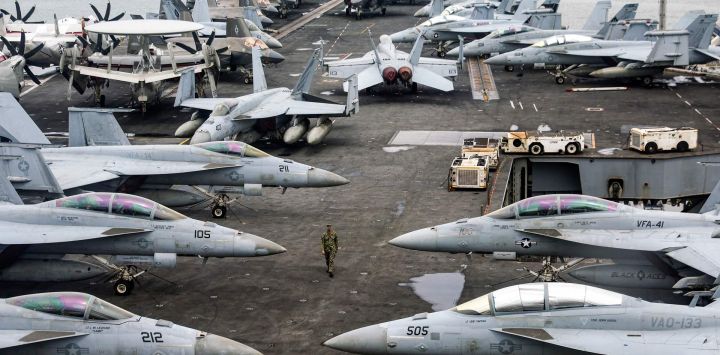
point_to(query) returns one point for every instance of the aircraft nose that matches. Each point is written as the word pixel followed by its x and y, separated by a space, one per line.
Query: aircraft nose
pixel 272 42
pixel 249 245
pixel 323 178
pixel 408 35
pixel 274 57
pixel 368 340
pixel 456 52
pixel 500 59
pixel 213 344
pixel 421 239
pixel 200 137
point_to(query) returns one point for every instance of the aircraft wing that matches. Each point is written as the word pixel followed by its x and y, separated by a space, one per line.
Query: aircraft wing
pixel 18 338
pixel 208 104
pixel 347 67
pixel 134 78
pixel 473 29
pixel 28 234
pixel 682 245
pixel 314 108
pixel 73 171
pixel 598 341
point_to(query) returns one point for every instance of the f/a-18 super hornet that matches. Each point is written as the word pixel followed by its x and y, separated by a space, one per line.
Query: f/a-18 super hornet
pixel 177 10
pixel 447 29
pixel 78 323
pixel 544 318
pixel 641 59
pixel 516 37
pixel 278 113
pixel 37 239
pixel 389 66
pixel 674 245
pixel 100 158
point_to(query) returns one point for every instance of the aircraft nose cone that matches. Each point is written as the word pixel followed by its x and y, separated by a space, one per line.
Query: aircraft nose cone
pixel 213 344
pixel 323 178
pixel 272 42
pixel 367 340
pixel 200 137
pixel 408 35
pixel 421 239
pixel 274 57
pixel 247 244
pixel 500 59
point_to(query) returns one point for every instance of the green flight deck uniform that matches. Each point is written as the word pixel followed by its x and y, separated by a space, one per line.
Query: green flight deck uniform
pixel 329 242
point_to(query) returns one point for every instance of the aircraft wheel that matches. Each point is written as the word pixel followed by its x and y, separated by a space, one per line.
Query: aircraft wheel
pixel 295 5
pixel 358 15
pixel 647 81
pixel 123 287
pixel 413 88
pixel 247 80
pixel 509 68
pixel 441 54
pixel 347 11
pixel 651 148
pixel 382 11
pixel 559 80
pixel 102 101
pixel 219 211
pixel 571 148
pixel 536 149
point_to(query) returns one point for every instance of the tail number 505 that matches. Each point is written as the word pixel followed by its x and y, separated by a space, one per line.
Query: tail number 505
pixel 418 330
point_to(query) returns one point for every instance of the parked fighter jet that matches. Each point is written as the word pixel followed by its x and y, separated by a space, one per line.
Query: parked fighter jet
pixel 100 158
pixel 37 237
pixel 360 7
pixel 177 10
pixel 78 323
pixel 673 244
pixel 544 318
pixel 247 118
pixel 12 78
pixel 387 65
pixel 512 38
pixel 452 28
pixel 622 59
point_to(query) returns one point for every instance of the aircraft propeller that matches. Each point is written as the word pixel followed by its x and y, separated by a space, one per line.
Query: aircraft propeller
pixel 19 16
pixel 20 50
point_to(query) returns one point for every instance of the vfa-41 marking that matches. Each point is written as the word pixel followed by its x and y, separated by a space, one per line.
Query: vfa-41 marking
pixel 650 224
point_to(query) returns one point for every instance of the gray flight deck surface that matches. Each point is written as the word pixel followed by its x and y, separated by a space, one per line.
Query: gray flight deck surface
pixel 286 303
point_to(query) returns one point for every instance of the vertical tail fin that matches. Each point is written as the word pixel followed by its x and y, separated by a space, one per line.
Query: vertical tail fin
pixel 174 10
pixel 186 87
pixel 686 19
pixel 598 16
pixel 303 84
pixel 95 127
pixel 23 168
pixel 482 12
pixel 375 51
pixel 3 31
pixel 352 102
pixel 236 27
pixel 712 200
pixel 524 5
pixel 259 83
pixel 417 49
pixel 436 8
pixel 201 11
pixel 635 30
pixel 701 30
pixel 627 12
pixel 503 6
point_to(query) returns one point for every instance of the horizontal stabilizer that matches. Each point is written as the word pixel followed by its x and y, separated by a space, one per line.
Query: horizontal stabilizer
pixel 429 78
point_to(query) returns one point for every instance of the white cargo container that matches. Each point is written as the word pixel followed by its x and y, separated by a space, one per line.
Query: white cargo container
pixel 536 143
pixel 468 173
pixel 653 140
